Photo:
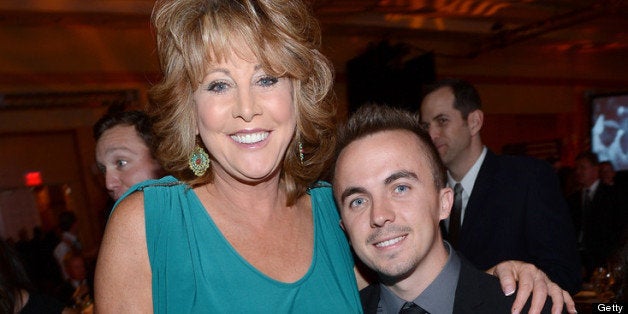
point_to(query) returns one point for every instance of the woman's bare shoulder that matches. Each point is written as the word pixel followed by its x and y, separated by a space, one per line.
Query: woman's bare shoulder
pixel 126 226
pixel 129 212
pixel 123 277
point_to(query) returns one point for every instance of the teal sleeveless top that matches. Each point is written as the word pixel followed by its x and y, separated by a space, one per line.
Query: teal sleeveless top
pixel 196 270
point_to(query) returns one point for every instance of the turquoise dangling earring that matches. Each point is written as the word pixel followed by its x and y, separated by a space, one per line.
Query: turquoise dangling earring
pixel 301 151
pixel 199 161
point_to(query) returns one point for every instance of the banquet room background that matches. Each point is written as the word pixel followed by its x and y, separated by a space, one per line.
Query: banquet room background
pixel 65 63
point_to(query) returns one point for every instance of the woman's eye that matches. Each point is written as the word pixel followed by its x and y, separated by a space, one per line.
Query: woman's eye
pixel 268 81
pixel 217 87
pixel 121 163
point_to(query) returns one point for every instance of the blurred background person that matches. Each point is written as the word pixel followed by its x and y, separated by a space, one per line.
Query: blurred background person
pixel 607 173
pixel 597 214
pixel 38 258
pixel 609 176
pixel 125 150
pixel 17 294
pixel 507 207
pixel 69 241
pixel 76 290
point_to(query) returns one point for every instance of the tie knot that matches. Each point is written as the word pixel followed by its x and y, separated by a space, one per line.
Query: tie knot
pixel 458 188
pixel 412 308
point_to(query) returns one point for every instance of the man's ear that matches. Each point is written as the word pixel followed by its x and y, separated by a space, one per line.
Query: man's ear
pixel 446 201
pixel 475 120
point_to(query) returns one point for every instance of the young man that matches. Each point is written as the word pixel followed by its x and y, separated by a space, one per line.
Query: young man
pixel 510 207
pixel 391 190
pixel 124 150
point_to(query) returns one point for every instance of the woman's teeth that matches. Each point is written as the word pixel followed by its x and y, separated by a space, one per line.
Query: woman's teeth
pixel 250 138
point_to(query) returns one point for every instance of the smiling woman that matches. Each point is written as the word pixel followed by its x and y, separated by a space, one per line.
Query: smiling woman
pixel 229 98
pixel 247 90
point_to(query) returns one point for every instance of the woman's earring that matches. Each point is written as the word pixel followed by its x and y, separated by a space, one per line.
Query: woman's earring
pixel 199 161
pixel 301 152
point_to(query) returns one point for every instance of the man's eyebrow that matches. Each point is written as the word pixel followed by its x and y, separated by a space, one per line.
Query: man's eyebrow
pixel 438 116
pixel 399 175
pixel 117 148
pixel 349 191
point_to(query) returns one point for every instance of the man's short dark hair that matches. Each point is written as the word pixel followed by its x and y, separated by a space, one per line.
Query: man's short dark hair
pixel 372 118
pixel 466 96
pixel 138 119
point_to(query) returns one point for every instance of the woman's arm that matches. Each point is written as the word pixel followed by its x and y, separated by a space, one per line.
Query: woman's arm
pixel 123 276
pixel 531 280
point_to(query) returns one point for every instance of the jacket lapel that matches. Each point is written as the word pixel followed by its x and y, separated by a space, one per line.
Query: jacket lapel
pixel 474 213
pixel 469 298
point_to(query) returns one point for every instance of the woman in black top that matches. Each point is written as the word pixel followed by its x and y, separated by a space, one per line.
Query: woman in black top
pixel 16 291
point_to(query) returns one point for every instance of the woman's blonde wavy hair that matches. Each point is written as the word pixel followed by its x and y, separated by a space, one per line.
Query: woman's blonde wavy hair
pixel 284 37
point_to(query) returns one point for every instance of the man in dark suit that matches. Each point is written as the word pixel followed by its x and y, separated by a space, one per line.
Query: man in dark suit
pixel 511 207
pixel 597 213
pixel 390 188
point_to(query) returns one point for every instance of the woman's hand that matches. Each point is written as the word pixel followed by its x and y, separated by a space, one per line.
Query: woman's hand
pixel 531 280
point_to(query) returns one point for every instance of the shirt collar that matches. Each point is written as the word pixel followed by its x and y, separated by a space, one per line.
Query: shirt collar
pixel 468 181
pixel 593 187
pixel 438 297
